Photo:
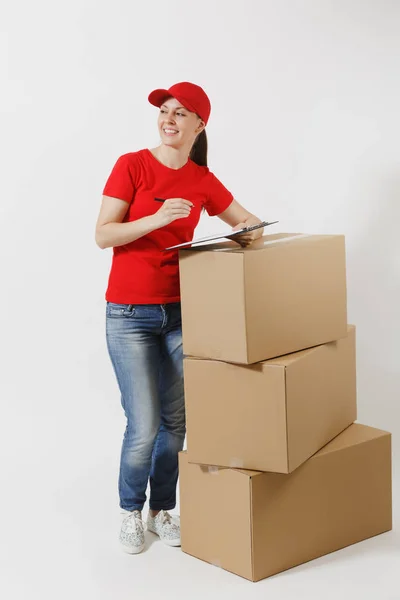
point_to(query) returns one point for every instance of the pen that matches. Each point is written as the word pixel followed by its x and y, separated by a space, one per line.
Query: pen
pixel 159 199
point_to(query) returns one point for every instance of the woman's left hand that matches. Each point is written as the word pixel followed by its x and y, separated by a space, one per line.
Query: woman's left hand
pixel 246 238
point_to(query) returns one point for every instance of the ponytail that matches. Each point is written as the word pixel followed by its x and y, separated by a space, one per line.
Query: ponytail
pixel 198 153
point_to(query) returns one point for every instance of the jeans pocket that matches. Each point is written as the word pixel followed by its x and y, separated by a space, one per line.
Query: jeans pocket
pixel 119 310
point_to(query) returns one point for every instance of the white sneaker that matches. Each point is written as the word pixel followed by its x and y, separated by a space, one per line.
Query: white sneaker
pixel 165 526
pixel 131 536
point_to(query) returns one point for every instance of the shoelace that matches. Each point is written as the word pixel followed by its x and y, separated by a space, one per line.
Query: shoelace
pixel 134 520
pixel 168 519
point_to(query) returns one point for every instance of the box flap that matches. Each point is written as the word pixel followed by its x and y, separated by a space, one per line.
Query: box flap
pixel 248 472
pixel 229 245
pixel 288 359
pixel 214 469
pixel 267 242
pixel 259 244
pixel 353 435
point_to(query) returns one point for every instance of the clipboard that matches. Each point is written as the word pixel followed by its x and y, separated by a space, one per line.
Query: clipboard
pixel 218 236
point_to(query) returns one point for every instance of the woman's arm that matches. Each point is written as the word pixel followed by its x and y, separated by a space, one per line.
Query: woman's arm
pixel 238 217
pixel 111 231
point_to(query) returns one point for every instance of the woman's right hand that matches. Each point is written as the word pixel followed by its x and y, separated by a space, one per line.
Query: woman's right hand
pixel 172 209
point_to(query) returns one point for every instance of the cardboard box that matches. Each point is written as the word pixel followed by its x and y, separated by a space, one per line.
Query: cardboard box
pixel 274 415
pixel 258 524
pixel 284 293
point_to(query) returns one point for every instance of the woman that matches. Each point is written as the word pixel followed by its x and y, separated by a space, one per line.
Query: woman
pixel 153 199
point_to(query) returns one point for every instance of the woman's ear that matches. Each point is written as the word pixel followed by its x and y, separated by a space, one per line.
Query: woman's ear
pixel 200 127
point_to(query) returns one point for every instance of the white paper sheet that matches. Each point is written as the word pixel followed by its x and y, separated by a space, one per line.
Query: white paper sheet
pixel 217 236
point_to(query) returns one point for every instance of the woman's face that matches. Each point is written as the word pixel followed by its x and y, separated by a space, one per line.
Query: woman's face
pixel 177 125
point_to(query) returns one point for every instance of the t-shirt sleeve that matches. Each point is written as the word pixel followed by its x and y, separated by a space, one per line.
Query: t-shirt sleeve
pixel 218 198
pixel 120 183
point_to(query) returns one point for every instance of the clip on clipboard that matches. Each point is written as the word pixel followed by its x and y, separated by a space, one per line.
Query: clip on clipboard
pixel 218 236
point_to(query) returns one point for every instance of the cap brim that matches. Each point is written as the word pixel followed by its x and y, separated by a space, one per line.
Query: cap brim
pixel 157 97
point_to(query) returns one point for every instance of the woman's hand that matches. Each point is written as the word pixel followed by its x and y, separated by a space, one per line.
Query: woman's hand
pixel 246 238
pixel 172 209
pixel 236 213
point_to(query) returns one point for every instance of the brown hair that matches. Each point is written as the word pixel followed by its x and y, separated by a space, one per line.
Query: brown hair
pixel 198 153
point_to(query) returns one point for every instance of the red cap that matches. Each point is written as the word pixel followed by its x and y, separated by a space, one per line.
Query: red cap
pixel 192 97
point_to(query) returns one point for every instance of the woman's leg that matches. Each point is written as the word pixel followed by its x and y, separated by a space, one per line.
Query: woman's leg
pixel 133 341
pixel 171 435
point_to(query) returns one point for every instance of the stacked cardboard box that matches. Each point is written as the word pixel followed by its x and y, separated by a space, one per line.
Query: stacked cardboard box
pixel 276 472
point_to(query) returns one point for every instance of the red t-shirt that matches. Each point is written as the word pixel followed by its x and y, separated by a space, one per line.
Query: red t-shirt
pixel 142 272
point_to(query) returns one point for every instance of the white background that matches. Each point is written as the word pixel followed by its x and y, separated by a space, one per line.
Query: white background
pixel 304 128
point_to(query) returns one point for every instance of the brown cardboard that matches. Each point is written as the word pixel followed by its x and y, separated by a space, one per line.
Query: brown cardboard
pixel 258 524
pixel 274 415
pixel 283 293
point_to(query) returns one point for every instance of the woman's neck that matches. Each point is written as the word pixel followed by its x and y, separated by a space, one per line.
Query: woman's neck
pixel 174 158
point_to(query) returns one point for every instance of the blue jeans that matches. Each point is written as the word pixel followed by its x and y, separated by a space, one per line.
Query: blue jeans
pixel 144 342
